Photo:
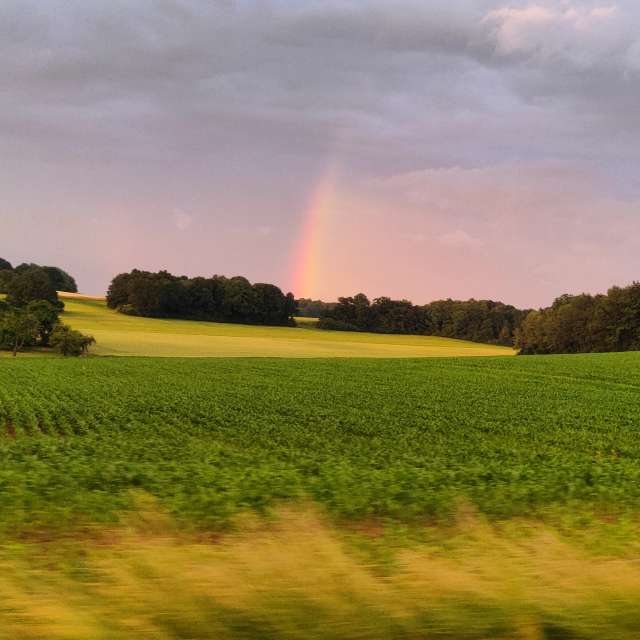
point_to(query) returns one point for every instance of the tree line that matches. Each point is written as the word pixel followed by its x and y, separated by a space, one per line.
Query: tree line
pixel 584 323
pixel 30 311
pixel 477 320
pixel 218 298
pixel 572 324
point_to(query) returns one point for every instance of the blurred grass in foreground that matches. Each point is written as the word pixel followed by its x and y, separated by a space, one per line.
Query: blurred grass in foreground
pixel 295 576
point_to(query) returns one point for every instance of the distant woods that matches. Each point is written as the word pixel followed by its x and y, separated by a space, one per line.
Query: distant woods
pixel 477 320
pixel 221 299
pixel 572 324
pixel 584 324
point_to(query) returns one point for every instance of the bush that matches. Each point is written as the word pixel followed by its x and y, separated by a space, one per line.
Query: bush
pixel 70 342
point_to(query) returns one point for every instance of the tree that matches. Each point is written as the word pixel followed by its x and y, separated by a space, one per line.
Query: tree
pixel 61 280
pixel 70 342
pixel 31 283
pixel 5 265
pixel 18 328
pixel 47 317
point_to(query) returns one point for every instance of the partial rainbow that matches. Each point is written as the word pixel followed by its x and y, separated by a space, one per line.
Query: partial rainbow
pixel 313 241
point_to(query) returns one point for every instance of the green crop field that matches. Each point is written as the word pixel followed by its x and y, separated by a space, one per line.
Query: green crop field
pixel 327 498
pixel 399 438
pixel 120 335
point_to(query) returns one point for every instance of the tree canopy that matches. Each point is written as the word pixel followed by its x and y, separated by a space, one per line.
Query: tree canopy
pixel 29 284
pixel 584 323
pixel 59 279
pixel 218 298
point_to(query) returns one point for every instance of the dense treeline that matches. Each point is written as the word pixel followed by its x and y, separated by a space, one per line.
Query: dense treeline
pixel 476 320
pixel 308 308
pixel 572 324
pixel 57 279
pixel 218 298
pixel 584 323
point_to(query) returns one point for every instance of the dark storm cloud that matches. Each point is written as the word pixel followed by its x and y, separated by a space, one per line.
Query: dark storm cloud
pixel 126 112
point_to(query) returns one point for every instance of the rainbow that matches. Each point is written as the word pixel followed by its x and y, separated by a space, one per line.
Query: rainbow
pixel 312 241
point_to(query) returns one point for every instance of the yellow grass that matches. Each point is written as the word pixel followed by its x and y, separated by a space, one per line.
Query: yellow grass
pixel 296 577
pixel 121 335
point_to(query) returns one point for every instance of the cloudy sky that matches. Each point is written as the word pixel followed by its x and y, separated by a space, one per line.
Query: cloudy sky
pixel 474 148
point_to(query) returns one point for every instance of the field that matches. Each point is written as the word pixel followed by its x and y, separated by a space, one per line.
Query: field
pixel 432 491
pixel 120 335
pixel 320 498
pixel 363 438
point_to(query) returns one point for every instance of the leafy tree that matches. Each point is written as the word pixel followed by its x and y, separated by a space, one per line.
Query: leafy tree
pixel 70 342
pixel 61 280
pixel 18 328
pixel 5 265
pixel 31 283
pixel 46 316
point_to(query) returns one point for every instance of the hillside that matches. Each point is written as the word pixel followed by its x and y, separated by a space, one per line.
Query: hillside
pixel 121 335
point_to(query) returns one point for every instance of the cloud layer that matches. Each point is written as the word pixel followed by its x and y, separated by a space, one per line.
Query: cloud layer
pixel 498 139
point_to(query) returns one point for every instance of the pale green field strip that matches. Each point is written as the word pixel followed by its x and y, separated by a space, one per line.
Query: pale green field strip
pixel 121 335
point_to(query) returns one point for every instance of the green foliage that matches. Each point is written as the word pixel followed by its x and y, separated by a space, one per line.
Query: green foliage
pixel 399 439
pixel 477 320
pixel 69 342
pixel 31 283
pixel 18 329
pixel 584 324
pixel 5 265
pixel 61 280
pixel 163 295
pixel 308 308
pixel 46 316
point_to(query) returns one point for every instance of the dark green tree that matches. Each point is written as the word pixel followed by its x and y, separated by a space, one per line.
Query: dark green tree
pixel 61 280
pixel 29 284
pixel 18 328
pixel 47 317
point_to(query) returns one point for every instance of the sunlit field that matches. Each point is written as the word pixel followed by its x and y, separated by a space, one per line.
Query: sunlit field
pixel 120 335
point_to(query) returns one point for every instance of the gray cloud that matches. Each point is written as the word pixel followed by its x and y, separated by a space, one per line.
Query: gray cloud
pixel 129 111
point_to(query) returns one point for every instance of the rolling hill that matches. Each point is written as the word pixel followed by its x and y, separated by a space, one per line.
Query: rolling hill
pixel 121 335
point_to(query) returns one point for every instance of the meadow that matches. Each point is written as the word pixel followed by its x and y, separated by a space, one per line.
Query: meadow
pixel 120 335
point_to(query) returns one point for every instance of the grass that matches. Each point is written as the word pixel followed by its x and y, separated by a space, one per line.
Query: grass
pixel 298 577
pixel 121 335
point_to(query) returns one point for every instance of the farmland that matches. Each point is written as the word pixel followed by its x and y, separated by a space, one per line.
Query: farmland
pixel 445 498
pixel 120 335
pixel 391 438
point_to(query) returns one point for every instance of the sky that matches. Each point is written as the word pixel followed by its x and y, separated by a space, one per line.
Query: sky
pixel 418 149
